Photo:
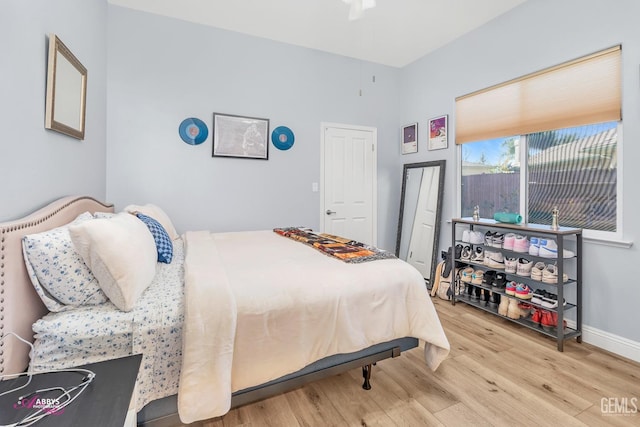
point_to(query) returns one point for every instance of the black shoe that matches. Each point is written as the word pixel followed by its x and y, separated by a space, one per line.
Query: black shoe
pixel 486 296
pixel 500 281
pixel 494 301
pixel 489 277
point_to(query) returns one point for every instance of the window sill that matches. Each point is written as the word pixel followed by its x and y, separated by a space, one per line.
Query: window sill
pixel 608 242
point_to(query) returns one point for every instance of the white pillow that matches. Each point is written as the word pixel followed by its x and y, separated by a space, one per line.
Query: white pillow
pixel 156 213
pixel 121 253
pixel 57 271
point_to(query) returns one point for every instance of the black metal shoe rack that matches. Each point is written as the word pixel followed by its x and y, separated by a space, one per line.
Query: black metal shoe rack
pixel 571 266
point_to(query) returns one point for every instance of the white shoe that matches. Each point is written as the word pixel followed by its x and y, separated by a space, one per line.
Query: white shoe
pixel 466 253
pixel 550 274
pixel 534 246
pixel 465 236
pixel 476 238
pixel 510 265
pixel 536 271
pixel 478 255
pixel 488 238
pixel 524 267
pixel 549 249
pixel 496 260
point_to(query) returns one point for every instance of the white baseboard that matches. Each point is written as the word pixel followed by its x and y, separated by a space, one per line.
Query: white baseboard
pixel 615 344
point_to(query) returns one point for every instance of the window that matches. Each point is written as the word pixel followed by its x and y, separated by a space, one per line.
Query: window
pixel 566 120
pixel 573 169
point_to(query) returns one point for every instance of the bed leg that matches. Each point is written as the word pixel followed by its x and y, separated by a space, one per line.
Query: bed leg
pixel 366 374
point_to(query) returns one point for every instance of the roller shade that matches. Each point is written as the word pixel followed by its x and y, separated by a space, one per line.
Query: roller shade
pixel 580 92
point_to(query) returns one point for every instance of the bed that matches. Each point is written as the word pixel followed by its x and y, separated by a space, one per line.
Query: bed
pixel 268 298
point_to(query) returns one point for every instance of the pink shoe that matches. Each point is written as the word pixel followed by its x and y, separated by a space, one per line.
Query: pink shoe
pixel 523 291
pixel 509 240
pixel 521 244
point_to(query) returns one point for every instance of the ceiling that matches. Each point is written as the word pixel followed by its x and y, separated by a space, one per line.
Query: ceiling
pixel 394 33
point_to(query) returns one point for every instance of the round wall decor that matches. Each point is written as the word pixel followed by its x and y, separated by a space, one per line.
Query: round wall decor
pixel 282 138
pixel 193 131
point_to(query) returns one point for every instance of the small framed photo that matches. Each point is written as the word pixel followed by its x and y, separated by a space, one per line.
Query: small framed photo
pixel 410 139
pixel 238 136
pixel 438 133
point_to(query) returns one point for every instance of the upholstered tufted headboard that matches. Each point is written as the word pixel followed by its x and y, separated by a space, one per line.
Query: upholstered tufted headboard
pixel 20 306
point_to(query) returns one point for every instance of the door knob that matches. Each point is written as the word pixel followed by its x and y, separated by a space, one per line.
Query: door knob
pixel 330 212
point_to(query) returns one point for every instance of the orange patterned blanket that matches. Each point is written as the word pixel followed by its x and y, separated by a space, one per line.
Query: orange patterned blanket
pixel 338 247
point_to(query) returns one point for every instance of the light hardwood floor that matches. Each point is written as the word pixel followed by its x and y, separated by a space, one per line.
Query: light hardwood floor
pixel 498 373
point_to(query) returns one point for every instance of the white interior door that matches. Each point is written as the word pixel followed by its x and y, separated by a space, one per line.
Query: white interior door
pixel 348 198
pixel 421 243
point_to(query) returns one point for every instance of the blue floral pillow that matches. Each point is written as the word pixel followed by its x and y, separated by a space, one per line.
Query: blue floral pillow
pixel 57 271
pixel 164 245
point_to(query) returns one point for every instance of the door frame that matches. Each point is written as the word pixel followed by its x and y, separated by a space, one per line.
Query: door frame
pixel 374 168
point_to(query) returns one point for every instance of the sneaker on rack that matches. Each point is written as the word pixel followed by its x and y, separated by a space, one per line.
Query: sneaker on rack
pixel 537 296
pixel 476 277
pixel 510 264
pixel 497 240
pixel 486 297
pixel 476 237
pixel 466 253
pixel 548 320
pixel 489 277
pixel 499 281
pixel 478 255
pixel 549 249
pixel 476 293
pixel 523 291
pixel 466 238
pixel 509 241
pixel 534 246
pixel 494 301
pixel 496 260
pixel 551 301
pixel 550 274
pixel 536 316
pixel 524 267
pixel 536 271
pixel 510 288
pixel 488 238
pixel 521 244
pixel 468 290
pixel 466 275
pixel 487 255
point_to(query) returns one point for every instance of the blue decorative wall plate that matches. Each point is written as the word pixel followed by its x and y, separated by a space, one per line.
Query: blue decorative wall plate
pixel 282 138
pixel 193 131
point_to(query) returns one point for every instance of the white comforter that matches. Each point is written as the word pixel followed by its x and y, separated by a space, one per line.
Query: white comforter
pixel 259 306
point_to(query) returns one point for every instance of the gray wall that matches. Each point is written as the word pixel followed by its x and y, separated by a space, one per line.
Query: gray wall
pixel 163 70
pixel 38 165
pixel 536 35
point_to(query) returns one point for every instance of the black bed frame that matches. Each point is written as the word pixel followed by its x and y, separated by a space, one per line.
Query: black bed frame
pixel 163 412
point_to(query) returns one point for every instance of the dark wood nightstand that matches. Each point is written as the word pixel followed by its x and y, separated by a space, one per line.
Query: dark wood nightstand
pixel 104 403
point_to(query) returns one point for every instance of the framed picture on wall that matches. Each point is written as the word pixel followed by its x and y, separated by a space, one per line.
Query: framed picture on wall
pixel 238 136
pixel 438 133
pixel 410 139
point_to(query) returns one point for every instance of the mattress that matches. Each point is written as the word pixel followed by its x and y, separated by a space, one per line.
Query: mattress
pixel 91 334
